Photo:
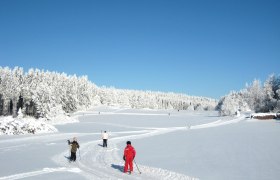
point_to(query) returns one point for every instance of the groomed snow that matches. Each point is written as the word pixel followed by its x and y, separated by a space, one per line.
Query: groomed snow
pixel 182 145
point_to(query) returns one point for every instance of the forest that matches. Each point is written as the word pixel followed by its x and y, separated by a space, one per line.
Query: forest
pixel 45 94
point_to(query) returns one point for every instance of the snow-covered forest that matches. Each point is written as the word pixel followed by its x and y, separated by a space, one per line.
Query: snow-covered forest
pixel 47 94
pixel 255 97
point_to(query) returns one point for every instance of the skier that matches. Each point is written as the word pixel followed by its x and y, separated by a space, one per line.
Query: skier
pixel 105 137
pixel 128 157
pixel 74 146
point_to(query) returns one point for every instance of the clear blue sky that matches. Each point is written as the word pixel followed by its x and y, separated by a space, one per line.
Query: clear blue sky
pixel 196 47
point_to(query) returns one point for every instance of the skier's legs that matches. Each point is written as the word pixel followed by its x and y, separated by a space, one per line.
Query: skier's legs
pixel 125 166
pixel 74 156
pixel 105 143
pixel 130 165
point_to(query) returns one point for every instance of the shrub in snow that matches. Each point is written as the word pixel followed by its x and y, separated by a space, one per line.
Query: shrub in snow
pixel 11 126
pixel 199 108
pixel 20 115
pixel 237 113
pixel 191 108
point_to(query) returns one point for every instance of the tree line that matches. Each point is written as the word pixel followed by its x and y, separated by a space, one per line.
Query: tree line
pixel 255 97
pixel 46 94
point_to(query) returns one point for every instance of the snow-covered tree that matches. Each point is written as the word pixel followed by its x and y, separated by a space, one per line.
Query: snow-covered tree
pixel 231 104
pixel 269 103
pixel 11 81
pixel 254 95
pixel 46 94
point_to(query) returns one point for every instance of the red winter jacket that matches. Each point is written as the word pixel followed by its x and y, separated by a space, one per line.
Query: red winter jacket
pixel 129 152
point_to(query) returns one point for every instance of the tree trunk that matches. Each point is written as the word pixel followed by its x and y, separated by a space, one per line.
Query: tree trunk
pixel 15 107
pixel 6 106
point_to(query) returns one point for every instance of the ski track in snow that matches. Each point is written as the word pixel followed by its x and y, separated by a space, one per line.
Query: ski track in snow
pixel 95 162
pixel 40 172
pixel 217 123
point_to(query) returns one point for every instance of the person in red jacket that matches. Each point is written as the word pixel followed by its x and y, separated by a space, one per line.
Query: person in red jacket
pixel 128 156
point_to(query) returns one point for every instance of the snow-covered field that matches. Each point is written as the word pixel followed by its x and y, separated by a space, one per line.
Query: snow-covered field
pixel 182 145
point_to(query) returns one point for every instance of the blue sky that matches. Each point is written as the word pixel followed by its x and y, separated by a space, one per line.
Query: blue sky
pixel 196 47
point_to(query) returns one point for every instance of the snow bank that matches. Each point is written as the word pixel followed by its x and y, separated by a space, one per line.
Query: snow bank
pixel 20 125
pixel 62 119
pixel 264 116
pixel 11 126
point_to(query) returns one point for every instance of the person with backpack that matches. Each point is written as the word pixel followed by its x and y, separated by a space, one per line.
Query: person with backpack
pixel 105 137
pixel 128 157
pixel 74 146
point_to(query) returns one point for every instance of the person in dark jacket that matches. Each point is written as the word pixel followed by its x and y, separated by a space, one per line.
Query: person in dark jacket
pixel 128 156
pixel 74 146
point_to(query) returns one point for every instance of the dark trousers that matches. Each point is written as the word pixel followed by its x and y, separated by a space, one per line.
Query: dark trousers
pixel 73 156
pixel 104 142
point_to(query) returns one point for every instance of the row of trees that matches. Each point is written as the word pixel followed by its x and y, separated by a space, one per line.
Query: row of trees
pixel 256 97
pixel 42 94
pixel 46 94
pixel 154 100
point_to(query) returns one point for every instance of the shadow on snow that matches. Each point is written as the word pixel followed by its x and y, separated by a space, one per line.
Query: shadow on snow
pixel 118 167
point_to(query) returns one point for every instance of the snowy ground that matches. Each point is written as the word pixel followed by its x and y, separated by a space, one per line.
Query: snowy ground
pixel 184 145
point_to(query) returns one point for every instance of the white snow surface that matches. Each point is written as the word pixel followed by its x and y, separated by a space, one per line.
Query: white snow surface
pixel 182 145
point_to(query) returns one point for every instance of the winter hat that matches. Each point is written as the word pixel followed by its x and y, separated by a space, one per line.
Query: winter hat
pixel 128 142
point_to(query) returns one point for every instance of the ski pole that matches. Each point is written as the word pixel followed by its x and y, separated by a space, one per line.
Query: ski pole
pixel 137 166
pixel 69 147
pixel 102 141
